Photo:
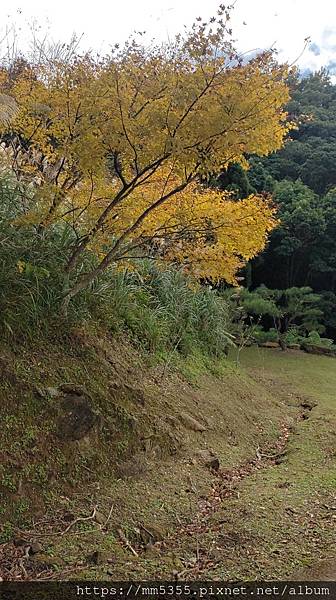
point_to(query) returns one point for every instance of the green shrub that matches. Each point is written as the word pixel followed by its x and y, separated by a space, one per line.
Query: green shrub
pixel 315 339
pixel 261 336
pixel 293 336
pixel 161 308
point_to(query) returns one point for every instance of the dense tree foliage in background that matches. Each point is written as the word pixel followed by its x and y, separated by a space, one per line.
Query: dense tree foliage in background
pixel 311 154
pixel 289 260
pixel 280 314
pixel 302 179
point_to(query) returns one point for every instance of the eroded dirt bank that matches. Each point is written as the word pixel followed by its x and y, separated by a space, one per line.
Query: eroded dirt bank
pixel 216 473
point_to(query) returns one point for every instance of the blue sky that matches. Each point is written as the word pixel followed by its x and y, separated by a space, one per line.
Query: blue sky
pixel 284 24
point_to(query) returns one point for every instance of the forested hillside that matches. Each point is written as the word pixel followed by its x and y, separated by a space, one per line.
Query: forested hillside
pixel 301 178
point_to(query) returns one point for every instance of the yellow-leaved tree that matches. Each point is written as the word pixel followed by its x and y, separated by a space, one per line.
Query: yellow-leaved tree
pixel 117 148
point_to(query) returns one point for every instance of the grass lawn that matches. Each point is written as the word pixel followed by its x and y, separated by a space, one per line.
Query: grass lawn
pixel 290 508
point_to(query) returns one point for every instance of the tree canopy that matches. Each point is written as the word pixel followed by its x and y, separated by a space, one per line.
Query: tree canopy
pixel 116 148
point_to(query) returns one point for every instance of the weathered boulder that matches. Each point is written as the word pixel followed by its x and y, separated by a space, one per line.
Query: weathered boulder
pixel 269 345
pixel 321 350
pixel 208 458
pixel 191 423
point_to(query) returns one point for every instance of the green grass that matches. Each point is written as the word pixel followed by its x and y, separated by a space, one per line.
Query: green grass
pixel 315 375
pixel 279 519
pixel 287 505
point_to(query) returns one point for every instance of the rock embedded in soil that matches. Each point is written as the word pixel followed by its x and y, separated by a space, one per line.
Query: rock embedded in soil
pixel 134 467
pixel 47 392
pixel 75 417
pixel 150 534
pixel 73 388
pixel 46 561
pixel 100 518
pixel 69 516
pixel 308 404
pixel 98 557
pixel 173 421
pixel 35 548
pixel 209 459
pixel 152 551
pixel 191 423
pixel 20 542
pixel 128 392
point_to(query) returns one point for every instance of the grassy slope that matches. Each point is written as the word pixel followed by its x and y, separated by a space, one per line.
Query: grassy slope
pixel 142 460
pixel 287 511
pixel 294 511
pixel 277 521
pixel 143 463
